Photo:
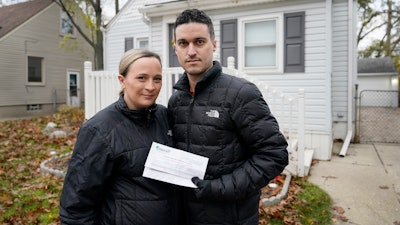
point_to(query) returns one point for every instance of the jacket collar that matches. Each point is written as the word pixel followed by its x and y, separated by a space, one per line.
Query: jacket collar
pixel 205 80
pixel 141 115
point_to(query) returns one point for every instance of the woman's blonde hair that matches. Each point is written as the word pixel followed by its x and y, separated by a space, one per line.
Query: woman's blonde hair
pixel 131 56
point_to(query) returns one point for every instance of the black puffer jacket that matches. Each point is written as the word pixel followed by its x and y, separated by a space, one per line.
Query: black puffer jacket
pixel 228 121
pixel 104 183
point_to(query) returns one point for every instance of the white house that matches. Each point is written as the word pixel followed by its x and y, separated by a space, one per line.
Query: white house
pixel 378 75
pixel 126 30
pixel 285 44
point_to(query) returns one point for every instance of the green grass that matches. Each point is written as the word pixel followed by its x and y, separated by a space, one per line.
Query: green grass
pixel 305 204
pixel 316 207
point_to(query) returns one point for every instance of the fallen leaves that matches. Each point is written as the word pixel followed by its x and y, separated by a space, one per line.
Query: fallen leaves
pixel 28 196
pixel 283 210
pixel 338 214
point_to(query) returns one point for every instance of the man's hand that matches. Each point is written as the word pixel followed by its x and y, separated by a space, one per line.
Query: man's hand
pixel 203 189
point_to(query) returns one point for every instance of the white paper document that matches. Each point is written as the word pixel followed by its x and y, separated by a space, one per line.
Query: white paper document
pixel 173 165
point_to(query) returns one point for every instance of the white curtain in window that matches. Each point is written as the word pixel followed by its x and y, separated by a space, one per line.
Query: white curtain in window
pixel 260 44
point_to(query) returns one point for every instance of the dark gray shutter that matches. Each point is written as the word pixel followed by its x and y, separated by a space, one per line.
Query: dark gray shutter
pixel 228 40
pixel 128 43
pixel 173 59
pixel 294 42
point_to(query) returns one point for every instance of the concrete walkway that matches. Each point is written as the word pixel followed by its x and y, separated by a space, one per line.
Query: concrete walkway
pixel 364 185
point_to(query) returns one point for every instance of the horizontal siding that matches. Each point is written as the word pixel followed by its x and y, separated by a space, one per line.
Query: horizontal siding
pixel 115 40
pixel 314 80
pixel 129 23
pixel 157 42
pixel 320 86
pixel 39 37
pixel 339 61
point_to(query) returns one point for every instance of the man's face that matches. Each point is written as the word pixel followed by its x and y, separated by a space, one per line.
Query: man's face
pixel 194 48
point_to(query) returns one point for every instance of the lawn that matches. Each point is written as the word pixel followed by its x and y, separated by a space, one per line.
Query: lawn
pixel 28 196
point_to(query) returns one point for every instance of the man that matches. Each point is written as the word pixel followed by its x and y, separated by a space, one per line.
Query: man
pixel 226 119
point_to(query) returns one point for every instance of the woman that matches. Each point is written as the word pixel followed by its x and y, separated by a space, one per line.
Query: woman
pixel 104 182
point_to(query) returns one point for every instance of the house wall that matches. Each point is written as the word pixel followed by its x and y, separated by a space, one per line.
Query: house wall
pixel 316 78
pixel 128 23
pixel 39 36
pixel 325 79
pixel 340 69
pixel 378 83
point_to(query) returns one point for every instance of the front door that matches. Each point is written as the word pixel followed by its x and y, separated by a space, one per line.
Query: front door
pixel 73 94
pixel 173 59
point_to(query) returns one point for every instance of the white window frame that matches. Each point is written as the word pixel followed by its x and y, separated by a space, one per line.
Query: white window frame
pixel 278 68
pixel 139 39
pixel 62 33
pixel 41 83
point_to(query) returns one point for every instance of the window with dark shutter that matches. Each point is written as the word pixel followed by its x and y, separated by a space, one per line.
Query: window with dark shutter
pixel 228 41
pixel 294 42
pixel 128 43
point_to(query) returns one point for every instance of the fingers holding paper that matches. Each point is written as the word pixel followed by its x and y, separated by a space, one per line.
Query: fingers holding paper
pixel 174 166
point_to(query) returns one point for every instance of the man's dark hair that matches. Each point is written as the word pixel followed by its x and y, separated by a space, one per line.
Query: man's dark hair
pixel 195 16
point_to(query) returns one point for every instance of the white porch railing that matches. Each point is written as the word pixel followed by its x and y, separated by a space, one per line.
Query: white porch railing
pixel 102 88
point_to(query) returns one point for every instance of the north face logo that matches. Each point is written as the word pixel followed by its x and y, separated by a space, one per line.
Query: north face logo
pixel 213 113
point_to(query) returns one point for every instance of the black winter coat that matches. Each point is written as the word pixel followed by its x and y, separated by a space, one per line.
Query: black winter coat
pixel 228 121
pixel 104 183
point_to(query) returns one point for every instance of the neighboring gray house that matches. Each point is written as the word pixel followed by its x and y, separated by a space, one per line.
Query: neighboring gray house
pixel 286 44
pixel 374 75
pixel 36 73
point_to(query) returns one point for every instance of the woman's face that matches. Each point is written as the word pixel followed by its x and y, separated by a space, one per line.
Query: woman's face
pixel 142 83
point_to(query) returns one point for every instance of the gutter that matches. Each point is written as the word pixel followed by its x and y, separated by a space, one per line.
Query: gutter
pixel 349 81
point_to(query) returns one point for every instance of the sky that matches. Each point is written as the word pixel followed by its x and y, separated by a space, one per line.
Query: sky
pixel 109 7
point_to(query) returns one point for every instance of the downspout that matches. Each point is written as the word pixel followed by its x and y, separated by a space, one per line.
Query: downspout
pixel 349 81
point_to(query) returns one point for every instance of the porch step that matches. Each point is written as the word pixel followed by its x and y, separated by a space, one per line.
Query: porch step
pixel 308 156
pixel 293 163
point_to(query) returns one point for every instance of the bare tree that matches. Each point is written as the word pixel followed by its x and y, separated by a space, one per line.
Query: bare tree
pixel 384 15
pixel 92 15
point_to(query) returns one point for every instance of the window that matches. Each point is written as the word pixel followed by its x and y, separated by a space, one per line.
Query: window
pixel 273 44
pixel 34 107
pixel 142 43
pixel 66 24
pixel 128 43
pixel 262 44
pixel 35 71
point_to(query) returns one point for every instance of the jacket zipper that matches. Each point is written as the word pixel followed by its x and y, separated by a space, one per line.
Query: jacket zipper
pixel 189 124
pixel 148 117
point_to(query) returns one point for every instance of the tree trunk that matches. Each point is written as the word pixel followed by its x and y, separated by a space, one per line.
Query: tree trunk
pixel 388 45
pixel 98 50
